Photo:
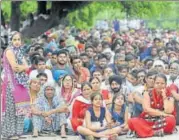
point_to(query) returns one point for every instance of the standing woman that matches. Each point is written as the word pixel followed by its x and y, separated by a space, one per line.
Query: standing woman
pixel 16 99
pixel 158 117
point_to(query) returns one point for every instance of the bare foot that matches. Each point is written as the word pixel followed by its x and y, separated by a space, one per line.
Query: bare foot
pixel 63 134
pixel 98 135
pixel 113 137
pixel 35 134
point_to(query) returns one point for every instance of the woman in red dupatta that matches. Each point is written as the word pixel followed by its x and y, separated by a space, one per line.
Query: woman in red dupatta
pixel 68 91
pixel 158 116
pixel 79 106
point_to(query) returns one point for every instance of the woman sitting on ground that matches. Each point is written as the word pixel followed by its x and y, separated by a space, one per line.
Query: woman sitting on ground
pixel 158 116
pixel 50 112
pixel 34 89
pixel 68 92
pixel 79 107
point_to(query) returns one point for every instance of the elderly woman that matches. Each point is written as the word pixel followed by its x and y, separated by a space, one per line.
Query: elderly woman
pixel 50 112
pixel 158 115
pixel 34 88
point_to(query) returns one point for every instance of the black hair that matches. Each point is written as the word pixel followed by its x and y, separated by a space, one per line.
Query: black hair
pixel 118 56
pixel 147 60
pixel 39 59
pixel 141 70
pixel 113 103
pixel 33 57
pixel 161 49
pixel 62 52
pixel 84 54
pixel 54 52
pixel 35 54
pixel 134 74
pixel 48 51
pixel 97 70
pixel 42 74
pixel 156 39
pixel 61 40
pixel 92 78
pixel 108 66
pixel 74 57
pixel 90 46
pixel 160 75
pixel 169 49
pixel 38 48
pixel 84 84
pixel 151 73
pixel 120 49
pixel 93 95
pixel 66 76
pixel 129 57
pixel 122 66
pixel 104 44
pixel 101 56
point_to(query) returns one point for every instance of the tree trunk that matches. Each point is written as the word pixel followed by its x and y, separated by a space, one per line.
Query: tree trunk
pixel 2 19
pixel 42 7
pixel 56 7
pixel 15 15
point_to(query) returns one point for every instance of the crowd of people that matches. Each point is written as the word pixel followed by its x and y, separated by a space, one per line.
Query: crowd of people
pixel 95 84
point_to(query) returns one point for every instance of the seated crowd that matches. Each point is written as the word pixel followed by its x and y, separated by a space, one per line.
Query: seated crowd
pixel 119 86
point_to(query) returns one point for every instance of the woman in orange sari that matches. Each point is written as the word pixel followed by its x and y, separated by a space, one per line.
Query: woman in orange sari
pixel 158 117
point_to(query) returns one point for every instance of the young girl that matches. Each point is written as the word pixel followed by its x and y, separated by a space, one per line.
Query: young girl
pixel 119 112
pixel 98 120
pixel 96 87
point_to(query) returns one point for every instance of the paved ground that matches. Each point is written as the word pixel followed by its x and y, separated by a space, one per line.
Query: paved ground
pixel 166 137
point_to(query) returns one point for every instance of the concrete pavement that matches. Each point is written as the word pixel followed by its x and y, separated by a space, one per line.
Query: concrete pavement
pixel 174 136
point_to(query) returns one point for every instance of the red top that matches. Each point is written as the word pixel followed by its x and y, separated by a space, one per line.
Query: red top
pixel 78 113
pixel 85 75
pixel 157 100
pixel 105 94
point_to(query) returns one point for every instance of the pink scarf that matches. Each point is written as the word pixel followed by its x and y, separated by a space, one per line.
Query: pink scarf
pixel 19 92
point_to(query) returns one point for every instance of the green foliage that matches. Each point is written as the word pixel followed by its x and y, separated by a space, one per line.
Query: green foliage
pixel 169 25
pixel 85 17
pixel 6 8
pixel 28 7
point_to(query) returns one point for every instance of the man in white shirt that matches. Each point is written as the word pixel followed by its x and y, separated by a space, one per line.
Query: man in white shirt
pixel 41 68
pixel 173 74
